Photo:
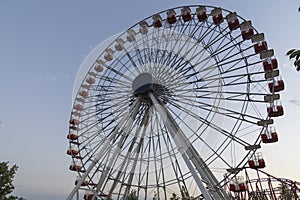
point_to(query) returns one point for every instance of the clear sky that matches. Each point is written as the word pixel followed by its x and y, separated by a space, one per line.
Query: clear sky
pixel 42 44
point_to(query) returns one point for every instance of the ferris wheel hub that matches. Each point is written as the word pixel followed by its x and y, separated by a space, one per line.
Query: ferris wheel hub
pixel 142 84
pixel 145 83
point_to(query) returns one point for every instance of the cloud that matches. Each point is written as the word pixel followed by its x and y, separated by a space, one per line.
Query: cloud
pixel 53 77
pixel 295 102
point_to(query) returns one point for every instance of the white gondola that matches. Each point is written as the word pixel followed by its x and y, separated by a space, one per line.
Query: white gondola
pixel 99 67
pixel 78 107
pixel 108 54
pixel 119 46
pixel 131 35
pixel 143 27
pixel 90 80
pixel 84 93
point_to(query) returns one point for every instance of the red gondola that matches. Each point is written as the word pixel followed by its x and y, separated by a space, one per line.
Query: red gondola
pixel 201 13
pixel 270 65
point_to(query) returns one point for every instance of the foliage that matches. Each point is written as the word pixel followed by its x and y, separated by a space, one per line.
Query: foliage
pixel 295 54
pixel 132 195
pixel 174 197
pixel 286 193
pixel 6 178
pixel 184 193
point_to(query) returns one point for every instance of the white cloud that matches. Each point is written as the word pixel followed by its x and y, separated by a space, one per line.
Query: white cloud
pixel 295 102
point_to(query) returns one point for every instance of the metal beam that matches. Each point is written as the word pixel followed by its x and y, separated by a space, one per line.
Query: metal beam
pixel 189 154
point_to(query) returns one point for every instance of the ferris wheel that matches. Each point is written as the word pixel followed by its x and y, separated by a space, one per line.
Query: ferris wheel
pixel 168 107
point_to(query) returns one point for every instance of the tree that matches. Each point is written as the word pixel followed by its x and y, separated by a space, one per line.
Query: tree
pixel 184 193
pixel 6 178
pixel 132 195
pixel 286 193
pixel 295 54
pixel 174 197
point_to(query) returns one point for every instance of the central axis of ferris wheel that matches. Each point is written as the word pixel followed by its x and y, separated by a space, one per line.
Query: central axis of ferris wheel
pixel 144 85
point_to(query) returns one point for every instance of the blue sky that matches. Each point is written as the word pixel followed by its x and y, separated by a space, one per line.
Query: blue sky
pixel 42 44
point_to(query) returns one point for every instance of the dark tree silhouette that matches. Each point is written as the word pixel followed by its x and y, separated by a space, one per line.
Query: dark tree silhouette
pixel 132 195
pixel 6 178
pixel 295 54
pixel 286 193
pixel 174 197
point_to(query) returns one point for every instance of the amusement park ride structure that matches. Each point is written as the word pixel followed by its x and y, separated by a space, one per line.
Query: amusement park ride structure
pixel 256 184
pixel 183 99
